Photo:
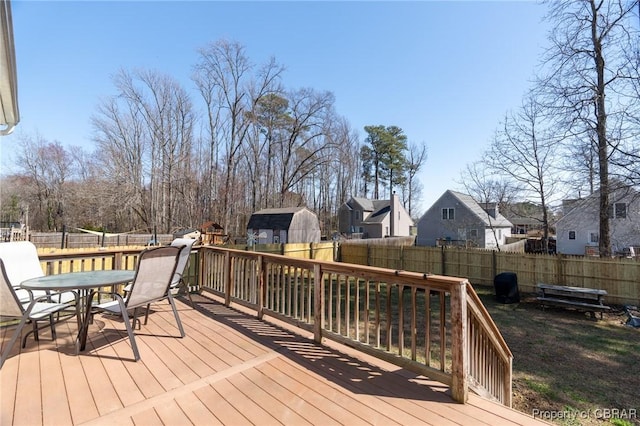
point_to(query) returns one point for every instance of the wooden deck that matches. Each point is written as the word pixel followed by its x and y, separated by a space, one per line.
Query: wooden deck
pixel 230 369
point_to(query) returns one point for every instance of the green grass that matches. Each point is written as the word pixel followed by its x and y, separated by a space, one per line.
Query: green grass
pixel 563 358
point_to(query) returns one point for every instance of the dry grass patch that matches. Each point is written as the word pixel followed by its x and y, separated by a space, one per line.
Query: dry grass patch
pixel 566 362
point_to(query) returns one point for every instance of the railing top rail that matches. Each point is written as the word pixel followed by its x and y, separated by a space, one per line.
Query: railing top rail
pixel 87 253
pixel 489 324
pixel 373 273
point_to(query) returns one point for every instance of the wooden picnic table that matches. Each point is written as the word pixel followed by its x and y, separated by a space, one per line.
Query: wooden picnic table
pixel 583 298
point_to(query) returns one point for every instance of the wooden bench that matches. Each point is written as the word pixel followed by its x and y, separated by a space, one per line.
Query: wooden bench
pixel 586 299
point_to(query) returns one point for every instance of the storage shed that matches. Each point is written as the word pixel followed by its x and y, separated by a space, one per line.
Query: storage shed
pixel 284 225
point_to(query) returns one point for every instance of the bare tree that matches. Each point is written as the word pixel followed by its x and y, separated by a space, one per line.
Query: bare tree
pixel 587 79
pixel 412 189
pixel 224 73
pixel 307 144
pixel 147 130
pixel 523 152
pixel 487 189
pixel 46 167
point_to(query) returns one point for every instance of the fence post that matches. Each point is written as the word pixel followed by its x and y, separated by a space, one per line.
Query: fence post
pixel 494 265
pixel 459 353
pixel 442 260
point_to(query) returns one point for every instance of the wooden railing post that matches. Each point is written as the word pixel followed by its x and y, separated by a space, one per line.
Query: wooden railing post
pixel 227 278
pixel 117 261
pixel 318 303
pixel 262 280
pixel 508 384
pixel 459 339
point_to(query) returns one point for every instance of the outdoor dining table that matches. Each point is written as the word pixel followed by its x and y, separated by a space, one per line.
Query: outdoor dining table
pixel 85 282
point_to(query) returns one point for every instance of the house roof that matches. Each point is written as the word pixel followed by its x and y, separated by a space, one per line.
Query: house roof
pixel 9 114
pixel 366 204
pixel 579 205
pixel 379 215
pixel 273 218
pixel 474 207
pixel 210 224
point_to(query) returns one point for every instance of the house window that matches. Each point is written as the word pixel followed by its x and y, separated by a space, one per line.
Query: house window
pixel 448 214
pixel 620 210
pixel 593 237
pixel 357 214
pixel 473 233
pixel 572 235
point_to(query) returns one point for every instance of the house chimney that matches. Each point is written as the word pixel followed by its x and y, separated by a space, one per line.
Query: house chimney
pixel 394 215
pixel 491 209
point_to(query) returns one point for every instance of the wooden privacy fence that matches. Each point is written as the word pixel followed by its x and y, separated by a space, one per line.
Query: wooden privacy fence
pixel 619 277
pixel 89 241
pixel 434 325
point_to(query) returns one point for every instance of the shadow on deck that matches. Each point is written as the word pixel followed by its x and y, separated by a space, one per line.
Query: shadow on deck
pixel 231 368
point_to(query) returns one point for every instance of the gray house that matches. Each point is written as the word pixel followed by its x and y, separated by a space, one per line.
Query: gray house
pixel 457 219
pixel 285 225
pixel 578 230
pixel 366 218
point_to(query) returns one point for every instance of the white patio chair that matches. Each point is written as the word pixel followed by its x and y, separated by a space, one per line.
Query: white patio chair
pixel 34 310
pixel 156 267
pixel 178 280
pixel 21 263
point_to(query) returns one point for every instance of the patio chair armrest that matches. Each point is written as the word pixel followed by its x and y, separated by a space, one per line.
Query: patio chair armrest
pixel 48 297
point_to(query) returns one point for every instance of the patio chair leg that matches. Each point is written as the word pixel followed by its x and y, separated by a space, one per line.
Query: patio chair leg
pixel 186 289
pixel 135 318
pixel 127 323
pixel 35 332
pixel 53 327
pixel 146 315
pixel 175 314
pixel 12 342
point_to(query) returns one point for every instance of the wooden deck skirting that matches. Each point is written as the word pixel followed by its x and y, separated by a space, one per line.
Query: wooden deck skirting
pixel 430 324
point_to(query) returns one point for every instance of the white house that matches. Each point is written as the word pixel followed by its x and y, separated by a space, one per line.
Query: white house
pixel 366 218
pixel 578 230
pixel 457 219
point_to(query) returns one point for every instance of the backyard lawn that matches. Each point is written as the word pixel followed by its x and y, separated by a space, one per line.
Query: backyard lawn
pixel 570 365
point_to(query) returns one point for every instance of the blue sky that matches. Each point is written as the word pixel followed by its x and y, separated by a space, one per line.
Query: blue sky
pixel 444 71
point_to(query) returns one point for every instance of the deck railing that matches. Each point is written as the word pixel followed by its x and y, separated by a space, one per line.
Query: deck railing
pixel 89 260
pixel 430 324
pixel 434 325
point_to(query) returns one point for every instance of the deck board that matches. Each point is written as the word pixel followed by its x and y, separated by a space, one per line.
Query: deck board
pixel 229 369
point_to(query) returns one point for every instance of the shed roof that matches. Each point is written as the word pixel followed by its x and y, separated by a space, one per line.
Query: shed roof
pixel 273 218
